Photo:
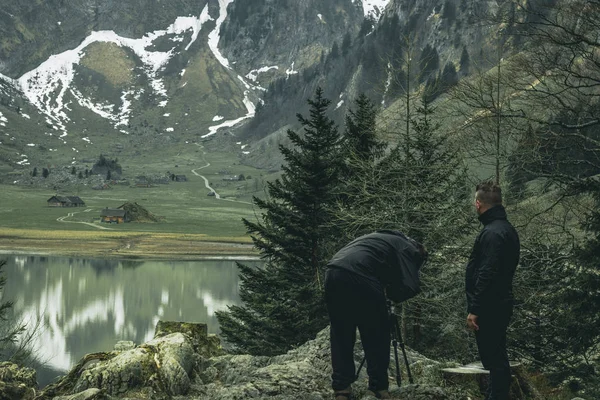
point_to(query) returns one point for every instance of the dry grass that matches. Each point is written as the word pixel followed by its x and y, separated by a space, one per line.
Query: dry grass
pixel 123 244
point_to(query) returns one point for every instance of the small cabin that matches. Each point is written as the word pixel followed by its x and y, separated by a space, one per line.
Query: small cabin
pixel 114 216
pixel 65 201
pixel 76 201
pixel 180 178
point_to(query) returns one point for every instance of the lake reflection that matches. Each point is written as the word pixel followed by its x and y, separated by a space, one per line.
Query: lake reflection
pixel 90 304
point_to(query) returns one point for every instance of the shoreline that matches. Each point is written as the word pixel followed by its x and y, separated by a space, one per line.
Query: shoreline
pixel 126 245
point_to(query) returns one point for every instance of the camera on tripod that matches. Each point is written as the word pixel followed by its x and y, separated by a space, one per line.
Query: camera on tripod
pixel 396 336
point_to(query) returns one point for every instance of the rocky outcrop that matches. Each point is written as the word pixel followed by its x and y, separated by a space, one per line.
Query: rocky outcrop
pixel 183 362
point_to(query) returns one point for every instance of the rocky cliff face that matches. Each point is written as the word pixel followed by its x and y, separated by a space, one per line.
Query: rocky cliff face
pixel 83 76
pixel 283 37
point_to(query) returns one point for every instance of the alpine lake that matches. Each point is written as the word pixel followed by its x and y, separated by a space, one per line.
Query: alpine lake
pixel 77 306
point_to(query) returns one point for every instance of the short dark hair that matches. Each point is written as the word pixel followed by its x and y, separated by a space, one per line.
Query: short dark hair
pixel 489 193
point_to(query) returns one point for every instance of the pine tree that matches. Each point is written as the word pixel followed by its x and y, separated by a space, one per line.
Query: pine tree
pixel 8 332
pixel 282 302
pixel 465 62
pixel 361 149
pixel 420 187
pixel 45 172
pixel 360 139
pixel 346 44
pixel 34 173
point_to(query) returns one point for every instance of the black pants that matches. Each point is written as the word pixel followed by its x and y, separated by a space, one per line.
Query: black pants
pixel 491 343
pixel 356 302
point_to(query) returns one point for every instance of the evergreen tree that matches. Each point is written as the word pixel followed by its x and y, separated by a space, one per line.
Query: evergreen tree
pixel 80 175
pixel 8 332
pixel 282 302
pixel 346 43
pixel 360 140
pixel 465 62
pixel 420 187
pixel 45 172
pixel 449 12
pixel 429 62
pixel 361 149
pixel 335 51
pixel 73 170
pixel 34 173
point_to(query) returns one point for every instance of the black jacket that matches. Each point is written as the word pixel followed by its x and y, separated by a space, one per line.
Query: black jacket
pixel 386 258
pixel 492 264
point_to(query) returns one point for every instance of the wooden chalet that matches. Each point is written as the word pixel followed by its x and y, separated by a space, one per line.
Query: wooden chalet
pixel 65 201
pixel 114 215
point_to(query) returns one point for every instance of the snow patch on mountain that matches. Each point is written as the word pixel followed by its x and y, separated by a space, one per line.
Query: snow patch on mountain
pixel 290 70
pixel 3 119
pixel 45 87
pixel 253 75
pixel 374 8
pixel 250 107
pixel 215 34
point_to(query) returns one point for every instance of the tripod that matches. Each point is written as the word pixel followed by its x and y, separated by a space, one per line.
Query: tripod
pixel 396 340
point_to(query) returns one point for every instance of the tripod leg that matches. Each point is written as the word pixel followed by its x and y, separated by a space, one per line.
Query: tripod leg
pixel 398 335
pixel 398 374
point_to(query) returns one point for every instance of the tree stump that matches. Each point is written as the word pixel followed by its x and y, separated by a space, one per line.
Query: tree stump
pixel 475 373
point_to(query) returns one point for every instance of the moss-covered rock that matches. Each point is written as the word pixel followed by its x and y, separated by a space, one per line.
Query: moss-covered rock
pixel 17 383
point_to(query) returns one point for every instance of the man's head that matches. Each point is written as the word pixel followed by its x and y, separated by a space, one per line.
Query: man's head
pixel 487 195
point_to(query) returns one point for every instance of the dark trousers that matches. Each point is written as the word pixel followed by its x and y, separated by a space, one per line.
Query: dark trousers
pixel 356 302
pixel 491 343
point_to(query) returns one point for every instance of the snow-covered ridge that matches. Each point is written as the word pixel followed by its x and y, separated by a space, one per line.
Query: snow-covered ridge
pixel 46 86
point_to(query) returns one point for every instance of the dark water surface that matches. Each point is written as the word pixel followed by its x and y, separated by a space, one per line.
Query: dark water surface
pixel 87 305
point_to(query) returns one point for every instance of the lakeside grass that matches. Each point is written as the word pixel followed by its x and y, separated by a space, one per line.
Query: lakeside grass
pixel 123 244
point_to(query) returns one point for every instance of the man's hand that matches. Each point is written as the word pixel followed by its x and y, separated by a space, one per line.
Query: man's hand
pixel 472 322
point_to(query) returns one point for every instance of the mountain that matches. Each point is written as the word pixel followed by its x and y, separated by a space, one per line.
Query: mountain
pixel 84 77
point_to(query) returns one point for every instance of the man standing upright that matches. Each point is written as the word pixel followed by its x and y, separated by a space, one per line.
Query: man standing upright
pixel 489 277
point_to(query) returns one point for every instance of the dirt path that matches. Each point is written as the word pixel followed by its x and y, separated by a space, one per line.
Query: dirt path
pixel 207 184
pixel 69 215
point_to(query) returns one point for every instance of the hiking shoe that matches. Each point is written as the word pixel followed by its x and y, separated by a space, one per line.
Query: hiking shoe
pixel 344 394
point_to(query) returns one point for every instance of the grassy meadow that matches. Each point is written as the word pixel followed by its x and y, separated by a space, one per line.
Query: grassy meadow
pixel 193 222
